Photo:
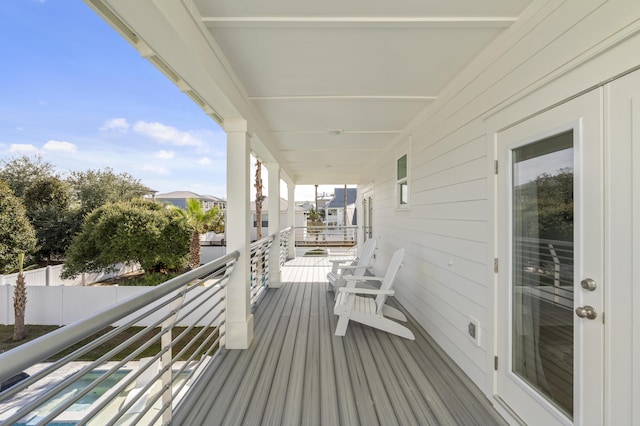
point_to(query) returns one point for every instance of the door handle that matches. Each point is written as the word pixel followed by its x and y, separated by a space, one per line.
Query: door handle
pixel 588 312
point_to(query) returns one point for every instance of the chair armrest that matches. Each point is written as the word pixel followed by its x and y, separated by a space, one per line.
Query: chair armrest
pixel 373 291
pixel 341 261
pixel 363 278
pixel 353 267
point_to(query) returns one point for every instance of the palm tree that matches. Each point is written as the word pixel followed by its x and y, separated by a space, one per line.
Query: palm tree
pixel 19 303
pixel 259 199
pixel 200 222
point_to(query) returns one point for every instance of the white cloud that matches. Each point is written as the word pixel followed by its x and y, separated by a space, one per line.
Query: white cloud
pixel 60 146
pixel 164 155
pixel 115 124
pixel 204 161
pixel 166 134
pixel 160 170
pixel 23 148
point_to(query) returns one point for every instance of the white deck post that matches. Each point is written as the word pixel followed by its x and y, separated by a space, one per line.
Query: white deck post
pixel 291 217
pixel 274 224
pixel 239 320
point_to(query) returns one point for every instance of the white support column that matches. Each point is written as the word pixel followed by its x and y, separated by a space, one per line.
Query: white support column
pixel 239 320
pixel 291 216
pixel 274 224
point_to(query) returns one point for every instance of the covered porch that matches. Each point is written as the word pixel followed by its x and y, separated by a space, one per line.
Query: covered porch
pixel 421 105
pixel 297 372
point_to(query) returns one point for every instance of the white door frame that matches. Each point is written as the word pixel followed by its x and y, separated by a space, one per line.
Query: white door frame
pixel 366 192
pixel 588 206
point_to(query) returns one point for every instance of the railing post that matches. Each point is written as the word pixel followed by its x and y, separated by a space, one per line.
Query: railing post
pixel 239 320
pixel 47 275
pixel 167 357
pixel 4 318
pixel 291 216
pixel 274 224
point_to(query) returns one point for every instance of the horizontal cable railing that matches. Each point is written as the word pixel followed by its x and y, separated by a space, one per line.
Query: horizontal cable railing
pixel 183 331
pixel 285 238
pixel 259 260
pixel 335 235
pixel 545 266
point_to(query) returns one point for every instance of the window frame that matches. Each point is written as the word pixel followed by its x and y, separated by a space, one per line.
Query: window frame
pixel 403 188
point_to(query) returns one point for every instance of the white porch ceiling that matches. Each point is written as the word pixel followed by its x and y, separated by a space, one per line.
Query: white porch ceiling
pixel 300 69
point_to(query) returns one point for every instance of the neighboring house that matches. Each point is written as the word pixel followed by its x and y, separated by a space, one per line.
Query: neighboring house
pixel 335 208
pixel 215 202
pixel 179 199
pixel 300 217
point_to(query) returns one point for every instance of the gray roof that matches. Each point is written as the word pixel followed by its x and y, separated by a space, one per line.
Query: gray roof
pixel 179 195
pixel 184 195
pixel 338 199
pixel 214 198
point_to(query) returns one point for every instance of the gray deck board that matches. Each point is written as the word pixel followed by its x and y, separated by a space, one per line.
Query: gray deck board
pixel 293 401
pixel 329 408
pixel 297 372
pixel 275 402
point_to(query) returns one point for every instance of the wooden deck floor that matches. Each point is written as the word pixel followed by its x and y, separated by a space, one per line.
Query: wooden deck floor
pixel 297 372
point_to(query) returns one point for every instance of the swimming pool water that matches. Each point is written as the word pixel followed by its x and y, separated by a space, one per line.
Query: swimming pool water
pixel 82 404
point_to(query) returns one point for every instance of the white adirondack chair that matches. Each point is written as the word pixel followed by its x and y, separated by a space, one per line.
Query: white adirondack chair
pixel 357 267
pixel 366 310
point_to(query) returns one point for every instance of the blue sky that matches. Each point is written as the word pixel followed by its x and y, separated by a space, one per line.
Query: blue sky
pixel 75 92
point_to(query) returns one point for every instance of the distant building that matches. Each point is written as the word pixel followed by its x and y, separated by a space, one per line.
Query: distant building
pixel 179 199
pixel 334 215
pixel 300 217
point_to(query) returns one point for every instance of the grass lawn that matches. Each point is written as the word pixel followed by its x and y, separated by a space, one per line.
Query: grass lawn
pixel 35 331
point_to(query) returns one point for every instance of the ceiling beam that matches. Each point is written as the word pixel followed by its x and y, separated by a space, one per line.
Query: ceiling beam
pixel 343 98
pixel 494 21
pixel 342 131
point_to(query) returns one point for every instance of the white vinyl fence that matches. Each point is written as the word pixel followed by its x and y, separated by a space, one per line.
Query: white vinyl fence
pixel 63 305
pixel 50 276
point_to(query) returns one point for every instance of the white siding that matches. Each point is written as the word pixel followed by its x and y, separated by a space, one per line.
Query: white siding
pixel 550 55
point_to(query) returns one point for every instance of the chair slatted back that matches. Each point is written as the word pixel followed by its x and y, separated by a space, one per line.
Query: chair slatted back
pixel 389 277
pixel 365 257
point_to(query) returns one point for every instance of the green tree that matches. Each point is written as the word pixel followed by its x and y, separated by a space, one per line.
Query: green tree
pixel 314 219
pixel 16 232
pixel 128 232
pixel 545 206
pixel 200 222
pixel 48 204
pixel 19 173
pixel 94 188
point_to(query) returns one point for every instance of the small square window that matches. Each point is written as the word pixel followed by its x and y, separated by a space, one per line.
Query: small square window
pixel 404 193
pixel 402 167
pixel 402 181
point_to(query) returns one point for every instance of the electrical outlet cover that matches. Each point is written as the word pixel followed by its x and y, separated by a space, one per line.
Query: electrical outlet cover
pixel 473 330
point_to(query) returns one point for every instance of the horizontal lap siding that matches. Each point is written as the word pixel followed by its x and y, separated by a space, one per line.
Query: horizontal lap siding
pixel 445 233
pixel 448 230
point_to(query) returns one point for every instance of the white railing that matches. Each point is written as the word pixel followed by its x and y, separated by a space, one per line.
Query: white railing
pixel 50 276
pixel 64 305
pixel 259 268
pixel 546 267
pixel 149 394
pixel 337 236
pixel 285 240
